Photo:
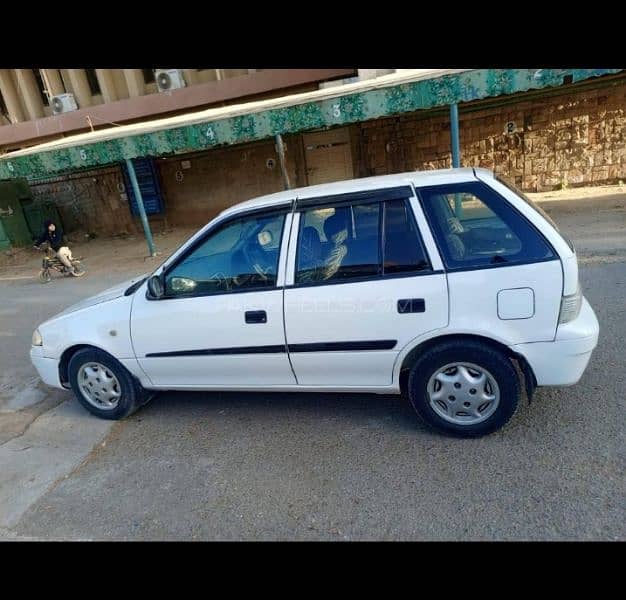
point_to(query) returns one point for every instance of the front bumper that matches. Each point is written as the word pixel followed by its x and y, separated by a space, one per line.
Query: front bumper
pixel 48 368
pixel 563 361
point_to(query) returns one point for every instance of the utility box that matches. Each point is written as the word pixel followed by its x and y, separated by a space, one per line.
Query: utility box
pixel 13 225
pixel 5 242
pixel 37 212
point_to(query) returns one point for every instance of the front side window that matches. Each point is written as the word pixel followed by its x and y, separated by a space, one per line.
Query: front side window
pixel 361 240
pixel 242 254
pixel 476 227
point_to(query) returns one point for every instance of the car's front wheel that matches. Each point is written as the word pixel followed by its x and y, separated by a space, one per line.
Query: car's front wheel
pixel 464 387
pixel 103 385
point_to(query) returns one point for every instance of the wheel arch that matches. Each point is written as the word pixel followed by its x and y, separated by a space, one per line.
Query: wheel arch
pixel 409 360
pixel 64 361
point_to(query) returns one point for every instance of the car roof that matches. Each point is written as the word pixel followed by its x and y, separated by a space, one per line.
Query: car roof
pixel 418 178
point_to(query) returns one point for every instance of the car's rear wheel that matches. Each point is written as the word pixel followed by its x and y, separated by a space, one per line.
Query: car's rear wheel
pixel 464 387
pixel 103 385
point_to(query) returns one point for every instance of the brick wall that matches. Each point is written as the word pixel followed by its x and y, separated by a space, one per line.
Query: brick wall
pixel 91 202
pixel 223 177
pixel 577 138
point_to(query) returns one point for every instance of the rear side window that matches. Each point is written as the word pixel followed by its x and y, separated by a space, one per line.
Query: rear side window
pixel 476 227
pixel 339 243
pixel 403 249
pixel 355 241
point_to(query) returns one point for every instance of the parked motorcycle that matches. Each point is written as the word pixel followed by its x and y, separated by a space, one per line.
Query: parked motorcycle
pixel 51 263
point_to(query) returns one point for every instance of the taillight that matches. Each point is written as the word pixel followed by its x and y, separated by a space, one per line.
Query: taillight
pixel 570 306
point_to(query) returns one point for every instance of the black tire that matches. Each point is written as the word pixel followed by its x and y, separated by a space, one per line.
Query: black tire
pixel 470 351
pixel 44 276
pixel 132 397
pixel 79 270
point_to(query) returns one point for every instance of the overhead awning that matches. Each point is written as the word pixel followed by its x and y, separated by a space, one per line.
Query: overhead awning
pixel 389 95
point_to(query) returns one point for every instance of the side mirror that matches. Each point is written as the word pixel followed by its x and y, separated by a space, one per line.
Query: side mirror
pixel 155 287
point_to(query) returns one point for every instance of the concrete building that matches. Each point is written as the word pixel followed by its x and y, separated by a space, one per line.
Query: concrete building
pixel 541 128
pixel 89 99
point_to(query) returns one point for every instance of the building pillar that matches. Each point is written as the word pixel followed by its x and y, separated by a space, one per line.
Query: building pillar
pixel 107 85
pixel 80 87
pixel 29 90
pixel 280 147
pixel 11 99
pixel 135 82
pixel 53 81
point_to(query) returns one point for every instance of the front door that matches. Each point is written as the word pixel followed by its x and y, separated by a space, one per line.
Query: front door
pixel 220 322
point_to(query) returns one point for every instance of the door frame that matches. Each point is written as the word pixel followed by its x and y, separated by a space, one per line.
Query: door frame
pixel 380 194
pixel 277 347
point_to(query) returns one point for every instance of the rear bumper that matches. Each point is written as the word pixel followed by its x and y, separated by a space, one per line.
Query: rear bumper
pixel 48 368
pixel 563 361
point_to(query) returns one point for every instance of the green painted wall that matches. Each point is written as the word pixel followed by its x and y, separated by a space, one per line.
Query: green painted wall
pixel 5 242
pixel 14 224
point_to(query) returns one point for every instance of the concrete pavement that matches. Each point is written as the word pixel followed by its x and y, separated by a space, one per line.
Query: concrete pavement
pixel 315 466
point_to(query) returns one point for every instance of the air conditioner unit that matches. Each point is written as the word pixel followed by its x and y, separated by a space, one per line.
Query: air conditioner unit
pixel 169 79
pixel 63 103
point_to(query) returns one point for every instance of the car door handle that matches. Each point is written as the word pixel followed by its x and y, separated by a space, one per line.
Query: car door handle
pixel 256 316
pixel 411 305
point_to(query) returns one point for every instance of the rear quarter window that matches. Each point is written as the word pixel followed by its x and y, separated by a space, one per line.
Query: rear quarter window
pixel 476 227
pixel 536 208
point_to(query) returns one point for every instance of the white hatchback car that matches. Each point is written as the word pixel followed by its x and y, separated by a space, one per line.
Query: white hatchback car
pixel 434 284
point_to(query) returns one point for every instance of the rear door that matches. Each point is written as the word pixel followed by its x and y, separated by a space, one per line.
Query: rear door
pixel 360 286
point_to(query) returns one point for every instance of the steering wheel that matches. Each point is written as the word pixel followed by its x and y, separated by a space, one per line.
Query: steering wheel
pixel 255 256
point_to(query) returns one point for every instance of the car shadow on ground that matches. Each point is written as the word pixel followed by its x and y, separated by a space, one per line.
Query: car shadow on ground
pixel 354 408
pixel 388 413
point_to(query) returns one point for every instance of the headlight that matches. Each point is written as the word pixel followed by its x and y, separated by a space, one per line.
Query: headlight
pixel 37 339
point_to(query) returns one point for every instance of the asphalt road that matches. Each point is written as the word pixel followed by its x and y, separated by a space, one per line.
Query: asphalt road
pixel 234 466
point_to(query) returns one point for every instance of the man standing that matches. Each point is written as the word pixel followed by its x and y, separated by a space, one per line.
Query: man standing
pixel 54 236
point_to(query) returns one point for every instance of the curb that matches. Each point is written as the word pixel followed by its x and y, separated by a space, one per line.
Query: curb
pixel 609 202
